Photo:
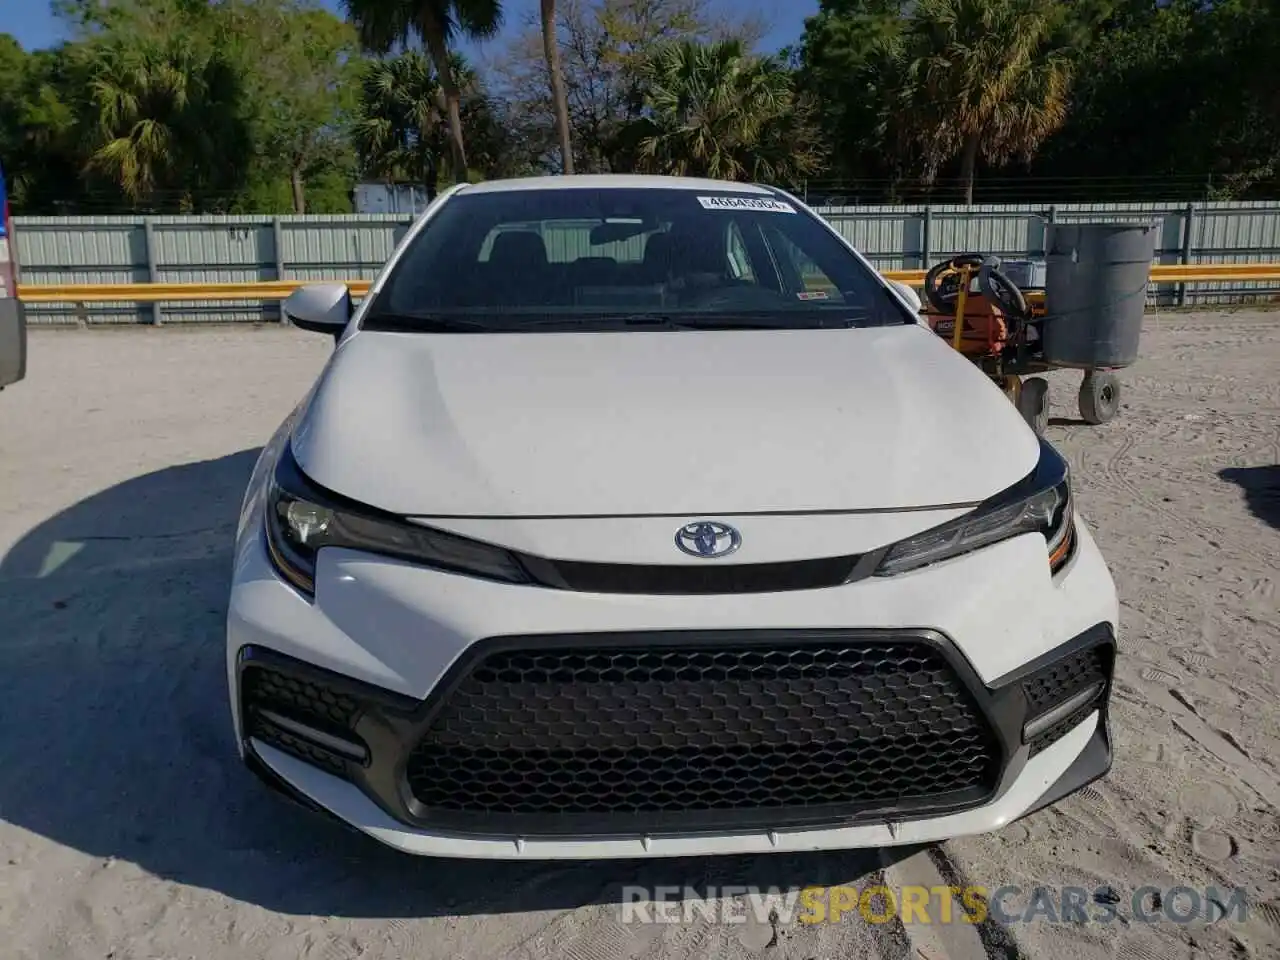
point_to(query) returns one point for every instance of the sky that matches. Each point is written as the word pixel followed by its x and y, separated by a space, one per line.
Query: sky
pixel 34 24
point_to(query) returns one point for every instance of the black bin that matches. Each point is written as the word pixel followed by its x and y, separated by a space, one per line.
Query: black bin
pixel 1096 293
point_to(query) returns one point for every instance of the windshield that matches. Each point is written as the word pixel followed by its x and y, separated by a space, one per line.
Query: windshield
pixel 546 259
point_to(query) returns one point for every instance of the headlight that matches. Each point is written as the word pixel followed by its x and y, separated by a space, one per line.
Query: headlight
pixel 1039 504
pixel 302 519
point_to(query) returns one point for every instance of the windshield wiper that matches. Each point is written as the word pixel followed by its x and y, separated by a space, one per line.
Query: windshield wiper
pixel 624 319
pixel 745 321
pixel 514 323
pixel 735 322
pixel 424 323
pixel 666 321
pixel 508 323
pixel 730 321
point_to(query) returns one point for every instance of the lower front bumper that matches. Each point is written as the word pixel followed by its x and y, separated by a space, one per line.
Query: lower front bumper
pixel 394 628
pixel 1039 769
pixel 1092 763
pixel 1079 758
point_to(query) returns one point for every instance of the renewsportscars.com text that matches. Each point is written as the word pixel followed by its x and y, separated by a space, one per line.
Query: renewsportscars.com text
pixel 1006 905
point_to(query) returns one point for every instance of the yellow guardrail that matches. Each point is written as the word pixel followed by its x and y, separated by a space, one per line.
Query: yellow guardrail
pixel 1160 273
pixel 279 289
pixel 167 292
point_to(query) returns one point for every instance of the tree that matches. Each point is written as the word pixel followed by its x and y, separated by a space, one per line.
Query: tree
pixel 168 122
pixel 400 131
pixel 252 105
pixel 36 125
pixel 290 61
pixel 384 24
pixel 301 72
pixel 981 78
pixel 551 50
pixel 398 123
pixel 846 69
pixel 1148 103
pixel 713 110
pixel 603 47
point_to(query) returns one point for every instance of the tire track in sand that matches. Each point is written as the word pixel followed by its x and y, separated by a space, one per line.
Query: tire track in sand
pixel 1112 475
pixel 1222 746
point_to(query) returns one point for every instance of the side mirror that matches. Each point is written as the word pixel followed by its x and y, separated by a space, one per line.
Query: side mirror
pixel 908 295
pixel 320 308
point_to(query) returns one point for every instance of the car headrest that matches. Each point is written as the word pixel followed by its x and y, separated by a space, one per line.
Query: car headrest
pixel 698 251
pixel 518 248
pixel 657 250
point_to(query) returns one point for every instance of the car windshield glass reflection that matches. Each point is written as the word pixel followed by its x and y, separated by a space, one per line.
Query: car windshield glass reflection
pixel 539 260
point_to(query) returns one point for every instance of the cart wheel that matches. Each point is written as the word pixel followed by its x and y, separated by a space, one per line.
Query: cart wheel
pixel 1099 396
pixel 1033 403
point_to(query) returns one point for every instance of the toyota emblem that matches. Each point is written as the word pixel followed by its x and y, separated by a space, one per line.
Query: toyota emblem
pixel 708 539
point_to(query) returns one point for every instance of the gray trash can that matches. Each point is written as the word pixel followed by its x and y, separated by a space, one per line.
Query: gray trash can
pixel 1096 293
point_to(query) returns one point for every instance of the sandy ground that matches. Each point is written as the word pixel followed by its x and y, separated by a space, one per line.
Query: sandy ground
pixel 128 830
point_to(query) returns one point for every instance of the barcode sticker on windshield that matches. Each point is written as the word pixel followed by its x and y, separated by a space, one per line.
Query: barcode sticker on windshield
pixel 763 204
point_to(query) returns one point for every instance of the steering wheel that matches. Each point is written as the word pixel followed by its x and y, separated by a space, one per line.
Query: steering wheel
pixel 942 282
pixel 999 289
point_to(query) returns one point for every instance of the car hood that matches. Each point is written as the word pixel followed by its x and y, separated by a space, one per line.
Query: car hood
pixel 676 423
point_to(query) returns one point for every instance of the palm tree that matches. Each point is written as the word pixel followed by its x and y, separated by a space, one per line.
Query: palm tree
pixel 138 99
pixel 713 110
pixel 166 117
pixel 399 119
pixel 385 24
pixel 400 130
pixel 551 49
pixel 982 78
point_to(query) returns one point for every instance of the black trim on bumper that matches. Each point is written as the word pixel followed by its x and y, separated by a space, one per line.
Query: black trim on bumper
pixel 1093 764
pixel 1099 634
pixel 1094 649
pixel 392 725
pixel 697 580
pixel 278 784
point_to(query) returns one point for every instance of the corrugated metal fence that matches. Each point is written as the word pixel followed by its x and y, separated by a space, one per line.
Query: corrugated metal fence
pixel 221 249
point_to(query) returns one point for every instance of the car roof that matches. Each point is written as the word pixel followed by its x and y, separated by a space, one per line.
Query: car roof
pixel 614 181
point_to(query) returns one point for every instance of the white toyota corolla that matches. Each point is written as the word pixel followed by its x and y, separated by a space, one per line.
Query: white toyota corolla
pixel 638 517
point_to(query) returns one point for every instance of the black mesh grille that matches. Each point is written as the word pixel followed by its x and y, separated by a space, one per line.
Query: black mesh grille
pixel 618 732
pixel 1059 682
pixel 263 729
pixel 1066 677
pixel 304 700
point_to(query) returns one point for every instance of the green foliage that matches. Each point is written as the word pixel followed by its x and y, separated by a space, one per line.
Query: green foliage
pixel 436 24
pixel 279 106
pixel 977 79
pixel 300 65
pixel 713 110
pixel 169 125
pixel 398 130
pixel 39 130
pixel 844 66
pixel 1180 90
pixel 605 47
pixel 1103 99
